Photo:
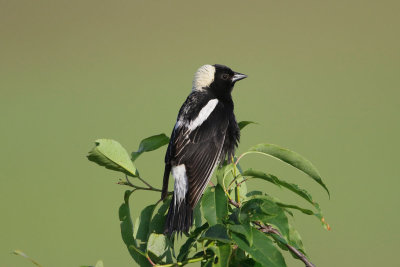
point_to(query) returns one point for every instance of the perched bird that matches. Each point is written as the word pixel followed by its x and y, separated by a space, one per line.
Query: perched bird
pixel 205 133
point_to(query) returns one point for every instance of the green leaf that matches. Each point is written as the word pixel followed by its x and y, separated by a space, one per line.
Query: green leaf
pixel 207 263
pixel 99 264
pixel 197 216
pixel 295 239
pixel 214 205
pixel 238 257
pixel 243 124
pixel 222 253
pixel 254 194
pixel 110 154
pixel 159 246
pixel 292 158
pixel 217 232
pixel 142 228
pixel 297 190
pixel 190 242
pixel 244 229
pixel 149 144
pixel 239 189
pixel 305 211
pixel 127 232
pixel 248 263
pixel 262 250
pixel 22 254
pixel 267 211
pixel 158 221
pixel 292 187
pixel 225 175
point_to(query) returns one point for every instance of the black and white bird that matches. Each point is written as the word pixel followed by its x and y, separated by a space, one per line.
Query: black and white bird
pixel 205 134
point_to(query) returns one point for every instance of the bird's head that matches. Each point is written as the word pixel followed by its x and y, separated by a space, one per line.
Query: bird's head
pixel 218 79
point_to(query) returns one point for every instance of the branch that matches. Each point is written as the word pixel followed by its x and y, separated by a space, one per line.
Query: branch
pixel 268 229
pixel 239 158
pixel 149 188
pixel 234 203
pixel 150 261
pixel 244 180
pixel 234 180
pixel 143 181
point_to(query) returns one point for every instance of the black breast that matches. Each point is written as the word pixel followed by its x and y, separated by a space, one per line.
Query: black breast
pixel 232 137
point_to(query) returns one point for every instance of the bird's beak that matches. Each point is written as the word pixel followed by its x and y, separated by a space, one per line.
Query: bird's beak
pixel 238 76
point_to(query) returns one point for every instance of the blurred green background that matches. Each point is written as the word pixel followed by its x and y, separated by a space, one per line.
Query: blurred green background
pixel 324 80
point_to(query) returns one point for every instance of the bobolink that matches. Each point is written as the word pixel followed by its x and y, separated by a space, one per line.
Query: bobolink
pixel 205 134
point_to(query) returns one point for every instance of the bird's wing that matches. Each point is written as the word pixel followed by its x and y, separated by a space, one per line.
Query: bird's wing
pixel 167 170
pixel 199 150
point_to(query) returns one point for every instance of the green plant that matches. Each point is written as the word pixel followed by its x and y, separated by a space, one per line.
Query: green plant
pixel 232 227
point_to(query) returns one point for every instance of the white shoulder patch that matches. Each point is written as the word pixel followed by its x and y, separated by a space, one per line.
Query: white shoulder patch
pixel 203 114
pixel 203 77
pixel 181 182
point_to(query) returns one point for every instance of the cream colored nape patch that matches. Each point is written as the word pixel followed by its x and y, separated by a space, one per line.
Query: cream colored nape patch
pixel 203 77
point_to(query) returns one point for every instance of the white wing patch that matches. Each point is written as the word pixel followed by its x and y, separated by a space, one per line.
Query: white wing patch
pixel 181 183
pixel 203 114
pixel 203 77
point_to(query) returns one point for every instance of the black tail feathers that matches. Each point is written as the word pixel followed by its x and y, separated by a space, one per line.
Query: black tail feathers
pixel 179 218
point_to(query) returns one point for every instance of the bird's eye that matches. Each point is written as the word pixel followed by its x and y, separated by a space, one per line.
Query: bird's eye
pixel 225 76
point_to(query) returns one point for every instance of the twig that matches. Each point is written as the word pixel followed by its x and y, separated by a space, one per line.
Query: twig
pixel 146 183
pixel 236 166
pixel 20 253
pixel 237 193
pixel 128 183
pixel 139 187
pixel 127 180
pixel 223 186
pixel 268 229
pixel 151 262
pixel 234 203
pixel 244 180
pixel 240 157
pixel 234 180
